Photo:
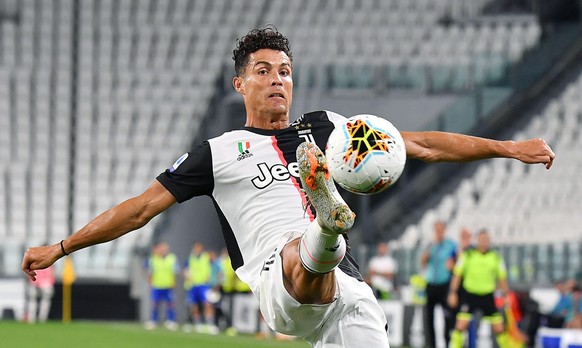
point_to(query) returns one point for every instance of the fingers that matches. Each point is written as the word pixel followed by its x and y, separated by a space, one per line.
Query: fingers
pixel 26 262
pixel 551 155
pixel 549 163
pixel 28 265
pixel 29 272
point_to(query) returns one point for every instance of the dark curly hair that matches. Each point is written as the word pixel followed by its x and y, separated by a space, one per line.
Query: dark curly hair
pixel 256 39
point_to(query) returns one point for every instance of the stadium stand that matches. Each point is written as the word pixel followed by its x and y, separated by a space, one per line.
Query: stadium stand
pixel 101 93
pixel 530 212
pixel 405 40
pixel 89 88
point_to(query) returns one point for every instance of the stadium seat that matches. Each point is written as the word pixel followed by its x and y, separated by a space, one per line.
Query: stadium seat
pixel 143 72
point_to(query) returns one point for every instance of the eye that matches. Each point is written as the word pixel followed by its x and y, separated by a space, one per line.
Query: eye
pixel 285 72
pixel 263 72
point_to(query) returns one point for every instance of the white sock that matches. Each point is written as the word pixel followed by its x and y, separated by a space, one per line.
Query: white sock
pixel 45 306
pixel 320 250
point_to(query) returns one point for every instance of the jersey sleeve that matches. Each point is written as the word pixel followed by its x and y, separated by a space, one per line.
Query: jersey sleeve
pixel 459 268
pixel 335 118
pixel 191 175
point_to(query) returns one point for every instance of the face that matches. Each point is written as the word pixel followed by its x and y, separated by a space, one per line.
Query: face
pixel 197 248
pixel 483 241
pixel 266 85
pixel 465 237
pixel 382 249
pixel 163 249
pixel 439 231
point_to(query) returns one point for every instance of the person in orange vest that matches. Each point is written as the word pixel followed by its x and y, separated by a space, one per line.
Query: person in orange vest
pixel 162 267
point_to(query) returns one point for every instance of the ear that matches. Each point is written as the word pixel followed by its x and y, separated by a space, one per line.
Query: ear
pixel 237 83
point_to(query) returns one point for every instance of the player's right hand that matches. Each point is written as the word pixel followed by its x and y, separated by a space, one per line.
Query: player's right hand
pixel 453 300
pixel 40 258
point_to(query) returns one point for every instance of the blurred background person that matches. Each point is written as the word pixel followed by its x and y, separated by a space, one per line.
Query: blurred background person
pixel 557 316
pixel 438 261
pixel 162 267
pixel 574 316
pixel 465 244
pixel 40 294
pixel 213 294
pixel 482 270
pixel 465 240
pixel 227 290
pixel 197 279
pixel 381 270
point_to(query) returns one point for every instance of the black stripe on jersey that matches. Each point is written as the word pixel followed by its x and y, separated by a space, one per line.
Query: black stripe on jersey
pixel 349 265
pixel 236 258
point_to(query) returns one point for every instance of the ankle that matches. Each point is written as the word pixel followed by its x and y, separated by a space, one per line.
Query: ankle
pixel 321 250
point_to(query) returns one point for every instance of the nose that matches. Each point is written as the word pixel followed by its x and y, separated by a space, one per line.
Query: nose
pixel 276 80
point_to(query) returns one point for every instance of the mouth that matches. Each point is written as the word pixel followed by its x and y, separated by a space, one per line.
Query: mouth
pixel 277 95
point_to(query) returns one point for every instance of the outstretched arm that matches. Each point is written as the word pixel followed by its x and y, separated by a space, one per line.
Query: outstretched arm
pixel 113 223
pixel 452 147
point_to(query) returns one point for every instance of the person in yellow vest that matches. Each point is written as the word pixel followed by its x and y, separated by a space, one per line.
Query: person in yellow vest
pixel 228 281
pixel 162 267
pixel 197 274
pixel 482 271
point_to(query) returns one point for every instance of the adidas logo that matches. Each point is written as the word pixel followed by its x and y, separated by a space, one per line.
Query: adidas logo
pixel 244 154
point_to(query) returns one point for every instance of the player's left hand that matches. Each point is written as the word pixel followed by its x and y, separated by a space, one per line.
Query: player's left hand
pixel 534 151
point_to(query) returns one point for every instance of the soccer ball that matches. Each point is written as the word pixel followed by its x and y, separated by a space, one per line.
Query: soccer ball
pixel 366 154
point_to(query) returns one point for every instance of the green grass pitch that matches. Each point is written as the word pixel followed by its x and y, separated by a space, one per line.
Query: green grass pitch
pixel 126 335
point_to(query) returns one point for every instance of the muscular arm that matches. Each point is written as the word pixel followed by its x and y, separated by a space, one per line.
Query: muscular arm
pixel 113 223
pixel 452 147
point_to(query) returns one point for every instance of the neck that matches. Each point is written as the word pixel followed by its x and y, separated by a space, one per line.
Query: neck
pixel 277 121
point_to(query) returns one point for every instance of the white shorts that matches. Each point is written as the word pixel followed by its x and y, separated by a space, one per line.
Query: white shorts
pixel 44 292
pixel 354 319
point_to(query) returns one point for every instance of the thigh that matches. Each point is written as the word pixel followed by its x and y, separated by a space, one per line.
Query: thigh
pixel 487 305
pixel 167 295
pixel 156 295
pixel 47 292
pixel 467 305
pixel 32 292
pixel 282 312
pixel 437 294
pixel 199 293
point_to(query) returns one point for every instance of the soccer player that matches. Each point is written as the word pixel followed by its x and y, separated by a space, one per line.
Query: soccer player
pixel 197 273
pixel 162 267
pixel 283 220
pixel 480 270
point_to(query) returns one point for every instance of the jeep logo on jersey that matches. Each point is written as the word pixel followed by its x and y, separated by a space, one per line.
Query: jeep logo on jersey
pixel 277 172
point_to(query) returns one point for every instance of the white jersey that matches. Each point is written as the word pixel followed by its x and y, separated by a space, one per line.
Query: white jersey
pixel 253 178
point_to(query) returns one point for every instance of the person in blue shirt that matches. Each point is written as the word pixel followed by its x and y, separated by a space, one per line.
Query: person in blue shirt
pixel 438 261
pixel 557 316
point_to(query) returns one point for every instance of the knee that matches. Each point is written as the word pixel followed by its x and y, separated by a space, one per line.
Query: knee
pixel 304 286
